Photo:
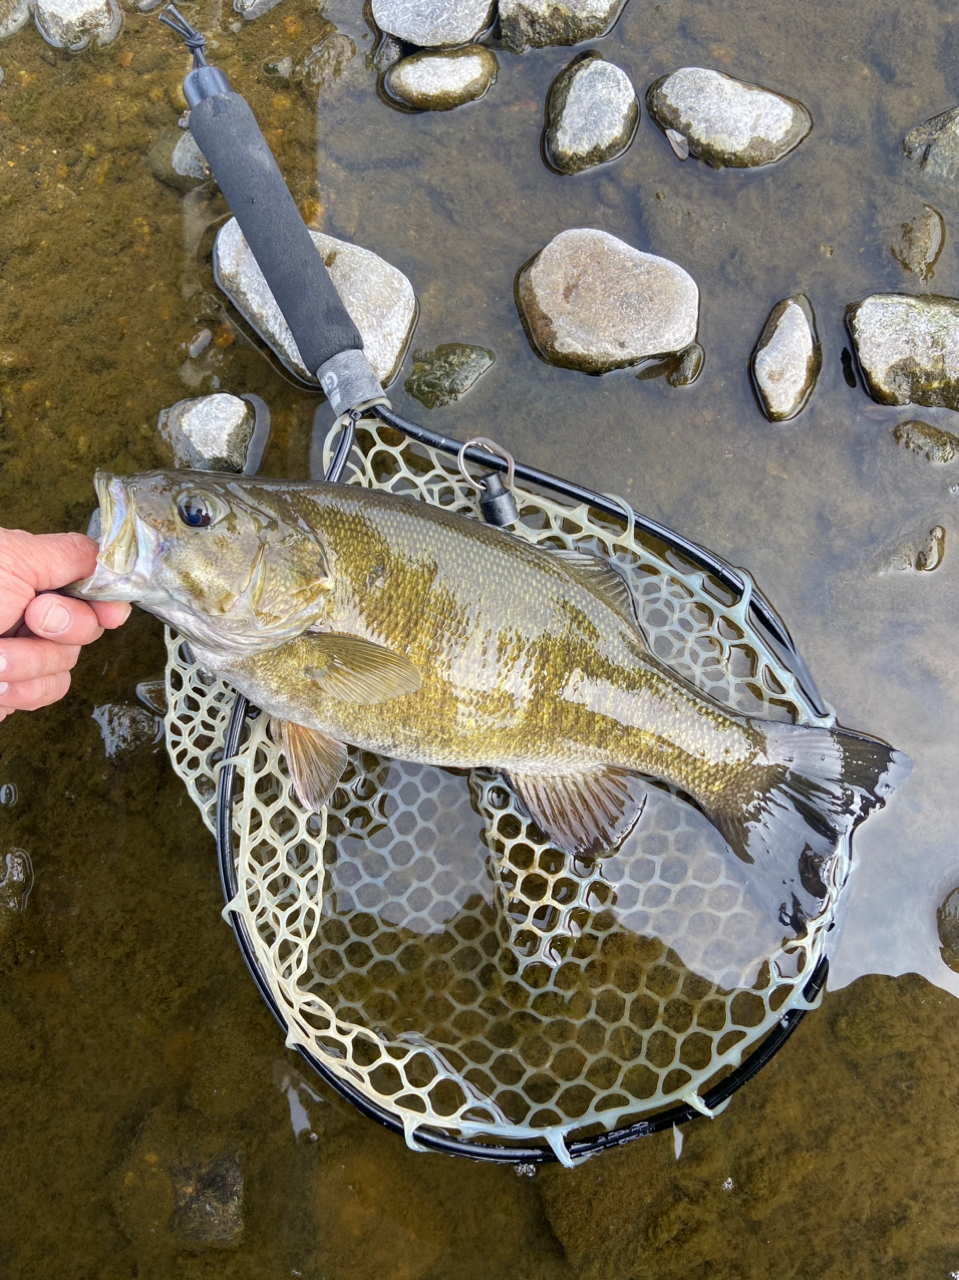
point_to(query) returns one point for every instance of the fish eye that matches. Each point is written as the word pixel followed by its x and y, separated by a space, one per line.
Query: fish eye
pixel 196 512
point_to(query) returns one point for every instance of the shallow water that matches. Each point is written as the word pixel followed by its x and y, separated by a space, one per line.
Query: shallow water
pixel 134 1050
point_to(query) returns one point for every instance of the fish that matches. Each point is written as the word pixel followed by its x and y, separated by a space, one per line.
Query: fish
pixel 357 616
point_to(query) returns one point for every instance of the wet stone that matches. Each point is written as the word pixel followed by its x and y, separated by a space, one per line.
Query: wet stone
pixel 378 297
pixel 787 359
pixel 175 159
pixel 591 302
pixel 434 23
pixel 592 114
pixel 441 376
pixel 209 433
pixel 441 81
pixel 727 122
pixel 908 348
pixel 13 16
pixel 251 9
pixel 926 440
pixel 324 62
pixel 923 553
pixel 16 881
pixel 947 920
pixel 687 366
pixel 919 243
pixel 934 146
pixel 545 22
pixel 125 728
pixel 280 70
pixel 72 24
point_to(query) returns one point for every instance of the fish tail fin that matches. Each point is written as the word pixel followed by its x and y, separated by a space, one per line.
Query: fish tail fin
pixel 816 787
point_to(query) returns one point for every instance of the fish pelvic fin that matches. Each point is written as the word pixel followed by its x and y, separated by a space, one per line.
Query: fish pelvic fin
pixel 816 787
pixel 584 812
pixel 314 760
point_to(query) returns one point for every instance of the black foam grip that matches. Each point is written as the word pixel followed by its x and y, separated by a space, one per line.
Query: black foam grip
pixel 227 133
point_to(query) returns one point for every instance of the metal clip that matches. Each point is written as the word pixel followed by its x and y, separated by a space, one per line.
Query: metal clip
pixel 496 499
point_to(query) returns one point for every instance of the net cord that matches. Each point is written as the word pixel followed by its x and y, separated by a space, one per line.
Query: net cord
pixel 432 1139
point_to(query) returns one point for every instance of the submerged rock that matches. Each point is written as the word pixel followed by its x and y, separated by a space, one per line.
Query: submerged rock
pixel 176 160
pixel 441 81
pixel 441 376
pixel 919 244
pixel 181 1184
pixel 923 552
pixel 687 366
pixel 209 1201
pixel 543 22
pixel 934 145
pixel 379 298
pixel 926 440
pixel 787 358
pixel 16 880
pixel 124 727
pixel 593 303
pixel 908 348
pixel 72 24
pixel 434 23
pixel 947 921
pixel 727 122
pixel 13 15
pixel 592 114
pixel 210 433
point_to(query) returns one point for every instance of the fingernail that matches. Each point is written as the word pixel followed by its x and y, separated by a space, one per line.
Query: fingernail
pixel 57 620
pixel 4 686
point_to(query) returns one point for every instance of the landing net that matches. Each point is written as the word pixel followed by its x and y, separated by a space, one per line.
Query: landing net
pixel 424 941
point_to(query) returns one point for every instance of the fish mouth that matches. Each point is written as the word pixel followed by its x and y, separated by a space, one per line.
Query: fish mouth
pixel 115 575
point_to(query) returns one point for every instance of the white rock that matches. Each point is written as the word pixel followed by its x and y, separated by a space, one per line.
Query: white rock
pixel 787 359
pixel 441 81
pixel 72 24
pixel 379 298
pixel 727 122
pixel 908 348
pixel 593 303
pixel 210 433
pixel 592 114
pixel 13 16
pixel 434 23
pixel 543 22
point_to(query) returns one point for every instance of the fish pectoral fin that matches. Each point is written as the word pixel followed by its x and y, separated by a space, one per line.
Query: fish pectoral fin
pixel 315 761
pixel 351 669
pixel 604 580
pixel 589 811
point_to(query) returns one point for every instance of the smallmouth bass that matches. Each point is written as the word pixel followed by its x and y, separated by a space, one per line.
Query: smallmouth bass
pixel 351 615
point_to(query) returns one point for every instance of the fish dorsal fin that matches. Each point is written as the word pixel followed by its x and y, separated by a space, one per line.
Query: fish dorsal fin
pixel 351 669
pixel 589 811
pixel 315 761
pixel 603 579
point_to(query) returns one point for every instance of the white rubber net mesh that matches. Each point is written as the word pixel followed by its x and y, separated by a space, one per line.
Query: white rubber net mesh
pixel 426 942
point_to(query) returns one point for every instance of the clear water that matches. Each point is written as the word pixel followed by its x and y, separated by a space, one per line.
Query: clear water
pixel 136 1059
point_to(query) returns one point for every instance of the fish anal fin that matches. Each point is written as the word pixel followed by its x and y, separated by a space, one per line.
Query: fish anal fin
pixel 314 760
pixel 584 812
pixel 360 671
pixel 604 580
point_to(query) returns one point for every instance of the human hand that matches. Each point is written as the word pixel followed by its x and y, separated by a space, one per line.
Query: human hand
pixel 41 634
